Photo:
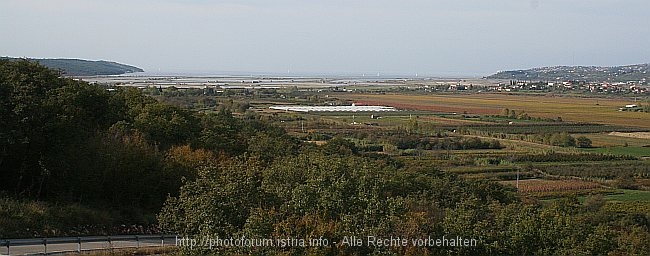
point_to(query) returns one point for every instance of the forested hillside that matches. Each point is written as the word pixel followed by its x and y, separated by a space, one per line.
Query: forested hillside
pixel 77 67
pixel 122 157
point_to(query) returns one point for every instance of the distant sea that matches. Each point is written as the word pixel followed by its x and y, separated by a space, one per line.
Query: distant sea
pixel 363 76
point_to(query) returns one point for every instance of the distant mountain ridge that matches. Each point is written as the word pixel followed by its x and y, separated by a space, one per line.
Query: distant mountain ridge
pixel 638 72
pixel 79 67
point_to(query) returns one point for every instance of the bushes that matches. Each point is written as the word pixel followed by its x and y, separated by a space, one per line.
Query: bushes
pixel 23 219
pixel 451 143
pixel 314 194
pixel 334 196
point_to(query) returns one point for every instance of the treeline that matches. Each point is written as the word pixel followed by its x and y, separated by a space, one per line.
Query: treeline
pixel 445 143
pixel 560 139
pixel 568 157
pixel 522 115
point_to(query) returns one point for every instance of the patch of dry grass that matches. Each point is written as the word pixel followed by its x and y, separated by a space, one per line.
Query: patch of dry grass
pixel 611 140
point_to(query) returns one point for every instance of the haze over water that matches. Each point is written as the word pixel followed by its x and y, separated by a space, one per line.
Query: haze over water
pixel 403 38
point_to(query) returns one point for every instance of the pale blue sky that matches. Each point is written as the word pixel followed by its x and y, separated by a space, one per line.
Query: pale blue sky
pixel 447 37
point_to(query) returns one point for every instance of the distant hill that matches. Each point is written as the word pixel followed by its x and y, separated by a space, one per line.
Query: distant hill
pixel 639 72
pixel 77 67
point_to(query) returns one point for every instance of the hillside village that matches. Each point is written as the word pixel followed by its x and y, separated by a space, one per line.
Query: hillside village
pixel 638 72
pixel 581 86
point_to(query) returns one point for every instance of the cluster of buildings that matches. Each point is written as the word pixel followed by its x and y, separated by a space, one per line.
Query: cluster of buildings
pixel 594 87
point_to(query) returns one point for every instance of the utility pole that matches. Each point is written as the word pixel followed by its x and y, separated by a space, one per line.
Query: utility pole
pixel 517 179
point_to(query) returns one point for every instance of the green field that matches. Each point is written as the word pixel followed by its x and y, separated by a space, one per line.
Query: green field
pixel 630 195
pixel 630 151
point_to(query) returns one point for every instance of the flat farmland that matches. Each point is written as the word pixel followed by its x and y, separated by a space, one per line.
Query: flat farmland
pixel 611 140
pixel 591 110
pixel 630 151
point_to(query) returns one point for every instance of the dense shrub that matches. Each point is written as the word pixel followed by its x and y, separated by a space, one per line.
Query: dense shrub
pixel 450 143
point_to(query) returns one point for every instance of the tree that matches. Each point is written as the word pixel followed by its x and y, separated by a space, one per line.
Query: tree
pixel 218 202
pixel 562 139
pixel 340 146
pixel 82 109
pixel 505 112
pixel 167 125
pixel 27 129
pixel 268 147
pixel 513 114
pixel 222 132
pixel 583 142
pixel 181 164
pixel 132 102
pixel 523 116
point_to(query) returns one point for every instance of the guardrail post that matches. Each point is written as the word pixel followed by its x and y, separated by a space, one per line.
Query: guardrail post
pixel 162 240
pixel 8 244
pixel 79 244
pixel 110 243
pixel 137 241
pixel 45 244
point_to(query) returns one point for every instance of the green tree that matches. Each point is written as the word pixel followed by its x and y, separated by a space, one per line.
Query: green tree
pixel 341 146
pixel 131 102
pixel 222 132
pixel 583 142
pixel 562 139
pixel 218 203
pixel 167 125
pixel 268 147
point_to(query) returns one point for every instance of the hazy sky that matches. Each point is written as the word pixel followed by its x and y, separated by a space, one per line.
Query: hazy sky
pixel 446 37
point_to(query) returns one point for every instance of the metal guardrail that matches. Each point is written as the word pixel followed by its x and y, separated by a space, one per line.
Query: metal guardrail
pixel 138 239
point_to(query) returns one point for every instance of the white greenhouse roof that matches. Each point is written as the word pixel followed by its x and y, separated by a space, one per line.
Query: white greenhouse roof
pixel 352 108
